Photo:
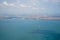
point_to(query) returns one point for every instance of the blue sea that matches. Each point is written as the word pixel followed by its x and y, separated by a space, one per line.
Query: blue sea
pixel 29 29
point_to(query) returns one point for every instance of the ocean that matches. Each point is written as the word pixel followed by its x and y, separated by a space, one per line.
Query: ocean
pixel 29 29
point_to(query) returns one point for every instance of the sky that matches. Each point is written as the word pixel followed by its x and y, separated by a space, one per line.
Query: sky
pixel 38 7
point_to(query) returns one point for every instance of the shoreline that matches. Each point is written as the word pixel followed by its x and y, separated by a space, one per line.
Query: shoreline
pixel 35 18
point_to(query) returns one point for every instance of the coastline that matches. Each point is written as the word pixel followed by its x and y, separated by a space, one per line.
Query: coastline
pixel 35 18
pixel 51 18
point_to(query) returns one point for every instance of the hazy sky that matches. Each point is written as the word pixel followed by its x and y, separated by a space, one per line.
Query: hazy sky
pixel 17 7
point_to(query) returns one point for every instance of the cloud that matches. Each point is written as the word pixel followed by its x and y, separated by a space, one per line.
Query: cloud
pixel 19 5
pixel 22 5
pixel 5 3
pixel 31 6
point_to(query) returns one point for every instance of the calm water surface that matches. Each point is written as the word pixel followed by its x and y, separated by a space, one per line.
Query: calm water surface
pixel 18 29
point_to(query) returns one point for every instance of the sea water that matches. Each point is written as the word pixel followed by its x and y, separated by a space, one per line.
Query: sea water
pixel 29 29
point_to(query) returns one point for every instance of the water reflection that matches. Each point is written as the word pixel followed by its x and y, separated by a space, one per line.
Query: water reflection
pixel 48 34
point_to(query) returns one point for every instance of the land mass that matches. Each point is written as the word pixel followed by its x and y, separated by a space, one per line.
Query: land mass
pixel 32 17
